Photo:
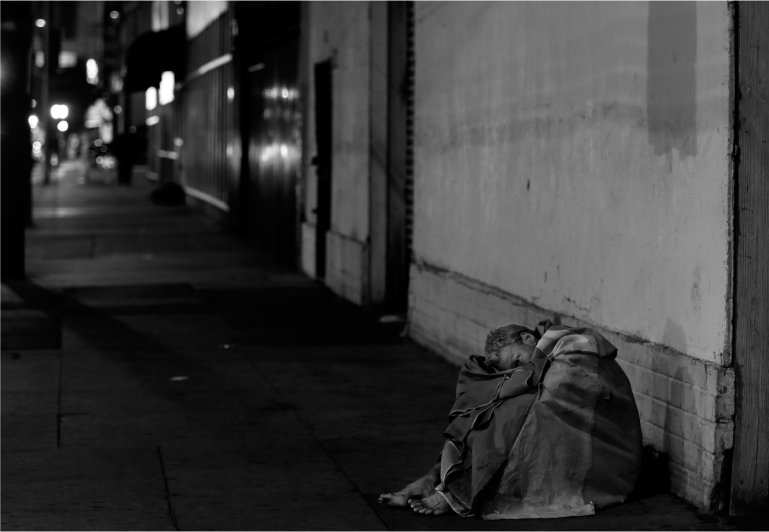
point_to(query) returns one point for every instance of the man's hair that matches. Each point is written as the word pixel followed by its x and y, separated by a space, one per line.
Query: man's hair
pixel 504 336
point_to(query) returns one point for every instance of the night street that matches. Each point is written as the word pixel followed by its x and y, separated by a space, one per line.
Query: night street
pixel 386 265
pixel 198 386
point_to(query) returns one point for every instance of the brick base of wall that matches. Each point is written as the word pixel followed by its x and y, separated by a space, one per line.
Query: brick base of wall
pixel 686 405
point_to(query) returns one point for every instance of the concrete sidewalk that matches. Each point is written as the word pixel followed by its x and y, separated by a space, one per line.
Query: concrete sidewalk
pixel 161 374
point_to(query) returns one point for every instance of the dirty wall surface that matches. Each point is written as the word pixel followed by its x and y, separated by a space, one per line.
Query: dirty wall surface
pixel 572 159
pixel 575 155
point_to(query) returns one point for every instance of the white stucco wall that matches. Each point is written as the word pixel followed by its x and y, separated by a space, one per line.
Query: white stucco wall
pixel 576 155
pixel 341 30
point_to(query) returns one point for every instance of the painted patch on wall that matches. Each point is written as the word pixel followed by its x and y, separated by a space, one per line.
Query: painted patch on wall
pixel 671 86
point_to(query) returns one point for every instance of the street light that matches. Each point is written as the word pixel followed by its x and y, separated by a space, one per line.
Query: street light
pixel 59 111
pixel 92 72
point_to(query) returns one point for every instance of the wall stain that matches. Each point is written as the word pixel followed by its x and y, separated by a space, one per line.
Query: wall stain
pixel 696 291
pixel 671 84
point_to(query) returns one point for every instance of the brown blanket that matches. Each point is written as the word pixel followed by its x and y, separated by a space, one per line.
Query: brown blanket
pixel 556 437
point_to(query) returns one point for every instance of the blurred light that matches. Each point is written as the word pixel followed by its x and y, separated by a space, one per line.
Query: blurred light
pixel 114 15
pixel 106 132
pixel 118 109
pixel 103 148
pixel 115 82
pixel 282 151
pixel 132 129
pixel 177 2
pixel 99 160
pixel 97 142
pixel 166 92
pixel 67 59
pixel 32 121
pixel 33 103
pixel 63 126
pixel 152 120
pixel 54 160
pixel 92 72
pixel 281 92
pixel 230 93
pixel 36 146
pixel 151 98
pixel 59 111
pixel 179 10
pixel 229 150
pixel 39 59
pixel 178 141
pixel 40 23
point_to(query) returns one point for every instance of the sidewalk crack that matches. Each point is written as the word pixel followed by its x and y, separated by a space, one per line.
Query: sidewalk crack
pixel 171 512
pixel 58 405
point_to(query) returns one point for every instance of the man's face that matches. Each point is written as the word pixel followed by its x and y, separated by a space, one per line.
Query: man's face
pixel 514 355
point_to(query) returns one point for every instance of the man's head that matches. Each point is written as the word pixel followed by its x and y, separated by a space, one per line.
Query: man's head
pixel 510 346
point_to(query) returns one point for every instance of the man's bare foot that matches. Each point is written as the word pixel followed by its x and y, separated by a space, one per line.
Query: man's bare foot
pixel 435 504
pixel 418 489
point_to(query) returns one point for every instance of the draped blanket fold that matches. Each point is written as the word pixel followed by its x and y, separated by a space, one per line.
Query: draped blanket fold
pixel 558 436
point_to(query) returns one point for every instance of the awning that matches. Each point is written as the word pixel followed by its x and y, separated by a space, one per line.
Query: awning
pixel 151 54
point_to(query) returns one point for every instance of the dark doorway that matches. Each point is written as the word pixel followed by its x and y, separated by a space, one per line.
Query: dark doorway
pixel 322 162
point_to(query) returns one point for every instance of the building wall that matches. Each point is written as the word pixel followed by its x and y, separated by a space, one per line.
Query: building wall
pixel 573 160
pixel 201 14
pixel 341 30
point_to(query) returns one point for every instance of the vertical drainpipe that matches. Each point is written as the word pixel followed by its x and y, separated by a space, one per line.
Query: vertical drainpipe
pixel 720 497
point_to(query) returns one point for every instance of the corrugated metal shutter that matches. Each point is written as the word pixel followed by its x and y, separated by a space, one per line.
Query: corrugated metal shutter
pixel 208 115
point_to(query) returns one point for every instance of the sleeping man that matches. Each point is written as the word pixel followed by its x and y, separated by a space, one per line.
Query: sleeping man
pixel 545 425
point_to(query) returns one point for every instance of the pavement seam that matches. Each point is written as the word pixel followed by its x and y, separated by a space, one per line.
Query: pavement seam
pixel 320 444
pixel 171 512
pixel 58 406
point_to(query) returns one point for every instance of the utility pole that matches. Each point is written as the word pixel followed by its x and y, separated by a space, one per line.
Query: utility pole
pixel 16 163
pixel 52 47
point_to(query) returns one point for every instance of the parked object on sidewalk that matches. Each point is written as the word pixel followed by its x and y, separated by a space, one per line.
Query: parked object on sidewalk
pixel 543 426
pixel 169 194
